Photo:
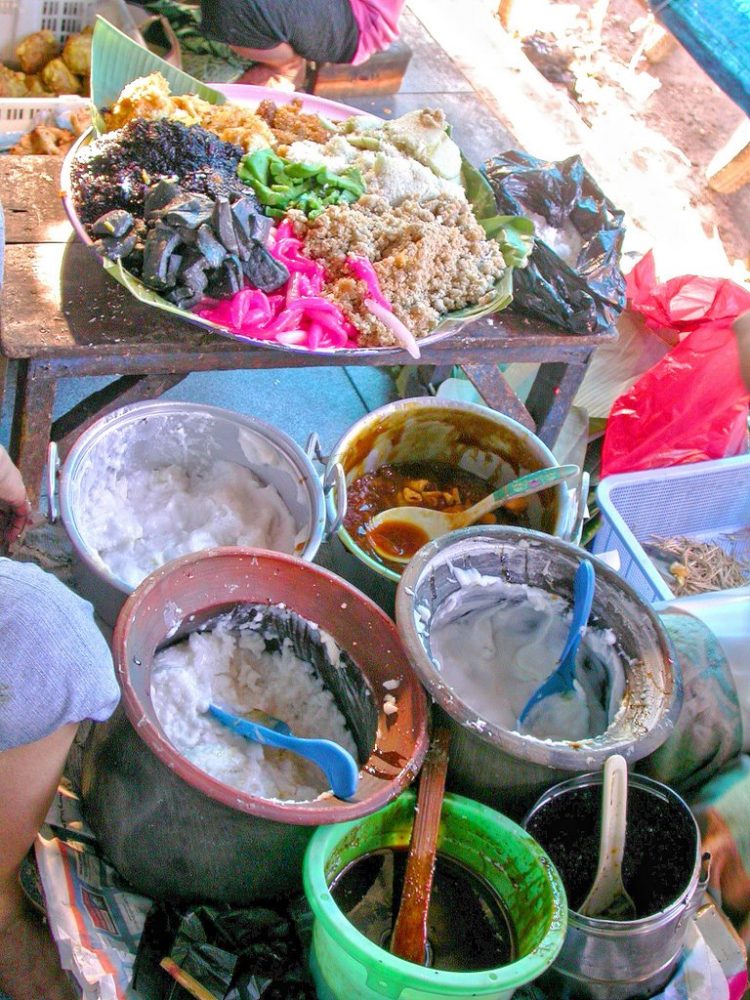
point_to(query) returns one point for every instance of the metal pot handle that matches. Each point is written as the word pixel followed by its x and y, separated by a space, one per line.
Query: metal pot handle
pixel 53 470
pixel 334 485
pixel 334 491
pixel 314 451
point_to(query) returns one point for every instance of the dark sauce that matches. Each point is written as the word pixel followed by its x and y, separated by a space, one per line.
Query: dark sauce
pixel 468 926
pixel 660 845
pixel 442 487
pixel 397 538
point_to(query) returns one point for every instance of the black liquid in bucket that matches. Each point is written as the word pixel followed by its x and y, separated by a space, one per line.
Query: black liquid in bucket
pixel 659 845
pixel 468 926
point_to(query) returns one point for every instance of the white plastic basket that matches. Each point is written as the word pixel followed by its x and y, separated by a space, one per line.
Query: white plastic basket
pixel 707 501
pixel 18 115
pixel 19 18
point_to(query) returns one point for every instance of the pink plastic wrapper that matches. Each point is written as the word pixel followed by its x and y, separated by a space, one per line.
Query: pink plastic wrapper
pixel 693 404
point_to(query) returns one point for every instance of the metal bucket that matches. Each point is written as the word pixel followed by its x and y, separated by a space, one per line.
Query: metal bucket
pixel 480 440
pixel 161 433
pixel 617 960
pixel 179 834
pixel 501 767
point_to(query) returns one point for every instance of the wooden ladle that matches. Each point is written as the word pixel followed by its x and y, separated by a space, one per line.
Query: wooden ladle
pixel 409 939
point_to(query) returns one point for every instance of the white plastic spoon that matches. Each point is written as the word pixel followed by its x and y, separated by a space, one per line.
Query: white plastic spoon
pixel 608 899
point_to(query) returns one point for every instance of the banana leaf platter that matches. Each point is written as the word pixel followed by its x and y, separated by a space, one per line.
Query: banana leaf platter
pixel 117 60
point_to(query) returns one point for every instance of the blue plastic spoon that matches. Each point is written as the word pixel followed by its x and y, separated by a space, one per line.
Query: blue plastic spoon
pixel 337 764
pixel 562 679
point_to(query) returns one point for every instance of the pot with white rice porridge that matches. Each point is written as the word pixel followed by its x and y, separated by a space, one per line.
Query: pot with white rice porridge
pixel 157 480
pixel 484 615
pixel 187 809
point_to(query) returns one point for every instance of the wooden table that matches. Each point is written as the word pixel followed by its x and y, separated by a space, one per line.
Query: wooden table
pixel 60 316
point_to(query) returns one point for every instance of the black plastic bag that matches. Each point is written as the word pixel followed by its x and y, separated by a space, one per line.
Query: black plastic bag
pixel 586 294
pixel 256 953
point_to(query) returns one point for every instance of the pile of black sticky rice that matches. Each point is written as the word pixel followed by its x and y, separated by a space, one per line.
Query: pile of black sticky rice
pixel 116 169
pixel 165 199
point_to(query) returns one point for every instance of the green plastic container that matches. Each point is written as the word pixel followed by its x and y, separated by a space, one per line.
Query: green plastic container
pixel 347 966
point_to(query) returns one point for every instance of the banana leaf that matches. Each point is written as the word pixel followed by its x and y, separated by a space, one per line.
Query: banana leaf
pixel 117 60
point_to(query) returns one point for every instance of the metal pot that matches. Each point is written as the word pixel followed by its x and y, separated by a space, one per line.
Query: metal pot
pixel 499 766
pixel 164 432
pixel 618 960
pixel 173 831
pixel 480 440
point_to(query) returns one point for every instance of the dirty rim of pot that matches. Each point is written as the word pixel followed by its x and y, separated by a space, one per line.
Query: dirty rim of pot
pixel 194 589
pixel 499 848
pixel 361 450
pixel 653 694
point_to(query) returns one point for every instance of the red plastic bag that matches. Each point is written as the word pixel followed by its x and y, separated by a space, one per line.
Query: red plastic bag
pixel 693 404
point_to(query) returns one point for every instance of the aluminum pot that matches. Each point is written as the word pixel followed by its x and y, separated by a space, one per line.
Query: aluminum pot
pixel 165 432
pixel 173 831
pixel 479 439
pixel 618 960
pixel 499 766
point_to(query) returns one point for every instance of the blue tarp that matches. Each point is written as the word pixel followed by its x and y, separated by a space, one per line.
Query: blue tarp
pixel 716 33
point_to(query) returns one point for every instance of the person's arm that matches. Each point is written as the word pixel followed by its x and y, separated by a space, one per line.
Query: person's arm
pixel 15 509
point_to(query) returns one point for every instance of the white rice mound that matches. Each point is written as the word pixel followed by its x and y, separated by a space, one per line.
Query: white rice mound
pixel 234 670
pixel 140 520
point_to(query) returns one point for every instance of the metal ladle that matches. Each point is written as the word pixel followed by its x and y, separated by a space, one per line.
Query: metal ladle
pixel 397 533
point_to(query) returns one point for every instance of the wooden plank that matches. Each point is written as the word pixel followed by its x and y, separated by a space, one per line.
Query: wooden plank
pixel 729 170
pixel 551 396
pixel 58 303
pixel 30 187
pixel 32 421
pixel 494 389
pixel 129 389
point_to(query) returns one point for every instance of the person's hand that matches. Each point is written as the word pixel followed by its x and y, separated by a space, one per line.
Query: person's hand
pixel 729 876
pixel 15 509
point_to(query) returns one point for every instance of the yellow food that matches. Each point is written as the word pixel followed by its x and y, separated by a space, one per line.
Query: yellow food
pixel 58 79
pixel 34 85
pixel 150 97
pixel 46 140
pixel 77 53
pixel 12 84
pixel 35 51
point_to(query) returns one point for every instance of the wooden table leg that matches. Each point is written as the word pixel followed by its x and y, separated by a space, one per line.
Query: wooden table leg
pixel 494 389
pixel 127 389
pixel 32 423
pixel 552 394
pixel 3 379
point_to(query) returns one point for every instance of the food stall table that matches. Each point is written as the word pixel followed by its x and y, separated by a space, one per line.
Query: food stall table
pixel 62 316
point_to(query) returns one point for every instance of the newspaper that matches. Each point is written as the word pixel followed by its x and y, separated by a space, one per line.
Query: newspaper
pixel 95 919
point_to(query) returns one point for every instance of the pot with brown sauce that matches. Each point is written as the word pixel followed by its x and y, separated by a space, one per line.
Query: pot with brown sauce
pixel 452 446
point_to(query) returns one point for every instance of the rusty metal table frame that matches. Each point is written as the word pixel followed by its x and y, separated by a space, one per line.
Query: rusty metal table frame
pixel 62 316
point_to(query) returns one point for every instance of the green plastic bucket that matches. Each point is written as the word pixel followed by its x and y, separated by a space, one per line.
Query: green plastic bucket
pixel 346 965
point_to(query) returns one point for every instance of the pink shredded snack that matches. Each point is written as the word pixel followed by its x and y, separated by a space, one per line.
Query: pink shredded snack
pixel 297 315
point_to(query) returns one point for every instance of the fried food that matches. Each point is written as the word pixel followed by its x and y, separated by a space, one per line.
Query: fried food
pixel 35 51
pixel 77 53
pixel 12 84
pixel 58 79
pixel 150 98
pixel 34 86
pixel 289 123
pixel 46 140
